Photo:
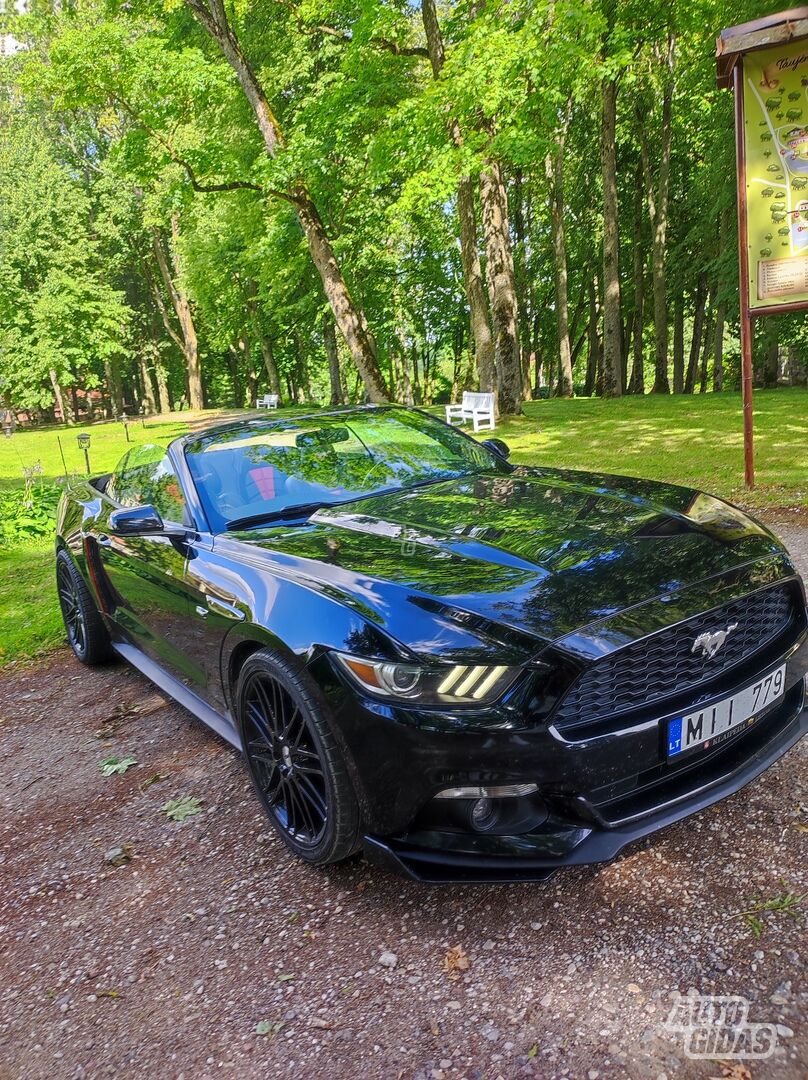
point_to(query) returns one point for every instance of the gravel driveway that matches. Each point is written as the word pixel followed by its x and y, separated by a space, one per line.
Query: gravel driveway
pixel 134 945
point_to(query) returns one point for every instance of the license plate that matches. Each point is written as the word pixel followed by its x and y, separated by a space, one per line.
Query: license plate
pixel 717 723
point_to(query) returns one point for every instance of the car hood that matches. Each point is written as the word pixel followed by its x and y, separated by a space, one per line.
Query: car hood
pixel 542 552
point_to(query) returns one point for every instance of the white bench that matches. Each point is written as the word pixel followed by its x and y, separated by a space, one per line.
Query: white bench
pixel 479 408
pixel 268 401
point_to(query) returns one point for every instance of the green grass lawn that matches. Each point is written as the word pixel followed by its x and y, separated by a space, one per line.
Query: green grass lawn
pixel 30 623
pixel 696 441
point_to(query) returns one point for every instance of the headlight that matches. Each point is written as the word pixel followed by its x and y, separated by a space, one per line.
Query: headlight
pixel 449 684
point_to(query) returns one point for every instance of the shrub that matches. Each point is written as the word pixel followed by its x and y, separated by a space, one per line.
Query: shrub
pixel 29 513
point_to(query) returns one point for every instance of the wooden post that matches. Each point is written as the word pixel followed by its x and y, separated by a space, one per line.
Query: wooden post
pixel 743 261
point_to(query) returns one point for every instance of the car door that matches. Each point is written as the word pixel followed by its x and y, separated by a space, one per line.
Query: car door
pixel 147 592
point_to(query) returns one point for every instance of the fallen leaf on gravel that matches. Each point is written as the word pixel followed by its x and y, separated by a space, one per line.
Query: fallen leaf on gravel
pixel 155 778
pixel 633 988
pixel 320 1022
pixel 119 855
pixel 286 977
pixel 107 993
pixel 180 809
pixel 455 961
pixel 114 766
pixel 533 1050
pixel 269 1028
pixel 733 1070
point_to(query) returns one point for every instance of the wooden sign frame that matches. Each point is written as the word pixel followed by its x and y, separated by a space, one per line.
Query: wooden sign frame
pixel 775 32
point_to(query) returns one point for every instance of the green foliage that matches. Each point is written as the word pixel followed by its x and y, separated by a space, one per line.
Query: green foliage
pixel 127 126
pixel 30 517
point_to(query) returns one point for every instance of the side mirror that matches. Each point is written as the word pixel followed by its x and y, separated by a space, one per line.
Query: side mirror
pixel 142 521
pixel 497 446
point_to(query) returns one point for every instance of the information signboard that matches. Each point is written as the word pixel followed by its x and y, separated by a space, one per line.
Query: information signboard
pixel 775 106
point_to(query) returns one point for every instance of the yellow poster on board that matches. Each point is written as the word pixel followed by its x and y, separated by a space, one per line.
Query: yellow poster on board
pixel 775 89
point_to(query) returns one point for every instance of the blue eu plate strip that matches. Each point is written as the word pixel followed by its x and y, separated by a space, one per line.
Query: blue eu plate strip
pixel 675 736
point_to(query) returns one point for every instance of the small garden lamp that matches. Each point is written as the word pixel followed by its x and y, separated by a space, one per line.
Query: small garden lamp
pixel 8 423
pixel 83 439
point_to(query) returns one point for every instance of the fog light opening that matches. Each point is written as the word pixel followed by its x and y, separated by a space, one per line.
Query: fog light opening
pixel 483 815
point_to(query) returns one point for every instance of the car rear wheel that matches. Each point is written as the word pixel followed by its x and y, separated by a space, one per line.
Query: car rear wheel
pixel 86 633
pixel 295 764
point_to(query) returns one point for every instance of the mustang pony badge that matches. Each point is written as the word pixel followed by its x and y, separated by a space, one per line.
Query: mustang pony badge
pixel 712 640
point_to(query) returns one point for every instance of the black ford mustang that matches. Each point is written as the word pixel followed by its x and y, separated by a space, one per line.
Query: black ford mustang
pixel 473 670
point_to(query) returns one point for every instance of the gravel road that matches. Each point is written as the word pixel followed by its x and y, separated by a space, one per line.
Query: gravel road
pixel 133 945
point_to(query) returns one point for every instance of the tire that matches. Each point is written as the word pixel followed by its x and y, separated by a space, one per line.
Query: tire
pixel 86 633
pixel 296 767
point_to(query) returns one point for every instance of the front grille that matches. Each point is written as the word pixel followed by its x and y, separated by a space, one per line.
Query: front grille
pixel 665 664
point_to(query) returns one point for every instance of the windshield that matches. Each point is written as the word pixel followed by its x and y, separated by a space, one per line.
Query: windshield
pixel 262 469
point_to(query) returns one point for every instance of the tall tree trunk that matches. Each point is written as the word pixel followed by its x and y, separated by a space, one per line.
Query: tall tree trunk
pixel 406 396
pixel 330 342
pixel 416 378
pixel 64 414
pixel 707 338
pixel 554 170
pixel 521 283
pixel 145 378
pixel 235 375
pixel 113 380
pixel 467 222
pixel 501 288
pixel 163 395
pixel 265 343
pixel 270 366
pixel 718 348
pixel 182 308
pixel 658 214
pixel 474 287
pixel 679 343
pixel 698 328
pixel 593 358
pixel 612 318
pixel 637 381
pixel 347 313
pixel 251 377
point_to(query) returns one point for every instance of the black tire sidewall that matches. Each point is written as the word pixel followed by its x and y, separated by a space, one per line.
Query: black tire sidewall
pixel 340 837
pixel 97 646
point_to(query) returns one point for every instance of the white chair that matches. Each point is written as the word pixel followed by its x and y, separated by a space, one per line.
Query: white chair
pixel 479 408
pixel 268 401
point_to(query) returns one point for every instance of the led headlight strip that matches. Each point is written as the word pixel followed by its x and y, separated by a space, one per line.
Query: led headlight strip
pixel 458 683
pixel 473 682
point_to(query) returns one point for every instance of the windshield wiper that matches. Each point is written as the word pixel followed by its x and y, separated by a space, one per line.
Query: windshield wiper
pixel 286 514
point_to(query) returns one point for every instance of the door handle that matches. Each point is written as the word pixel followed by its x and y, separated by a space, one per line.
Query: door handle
pixel 202 611
pixel 221 607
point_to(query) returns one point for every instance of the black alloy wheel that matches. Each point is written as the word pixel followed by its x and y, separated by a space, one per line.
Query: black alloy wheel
pixel 71 609
pixel 86 633
pixel 295 764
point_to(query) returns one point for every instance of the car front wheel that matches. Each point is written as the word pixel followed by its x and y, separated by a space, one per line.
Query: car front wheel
pixel 295 764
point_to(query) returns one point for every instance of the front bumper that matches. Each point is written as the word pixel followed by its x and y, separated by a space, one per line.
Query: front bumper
pixel 441 858
pixel 602 793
